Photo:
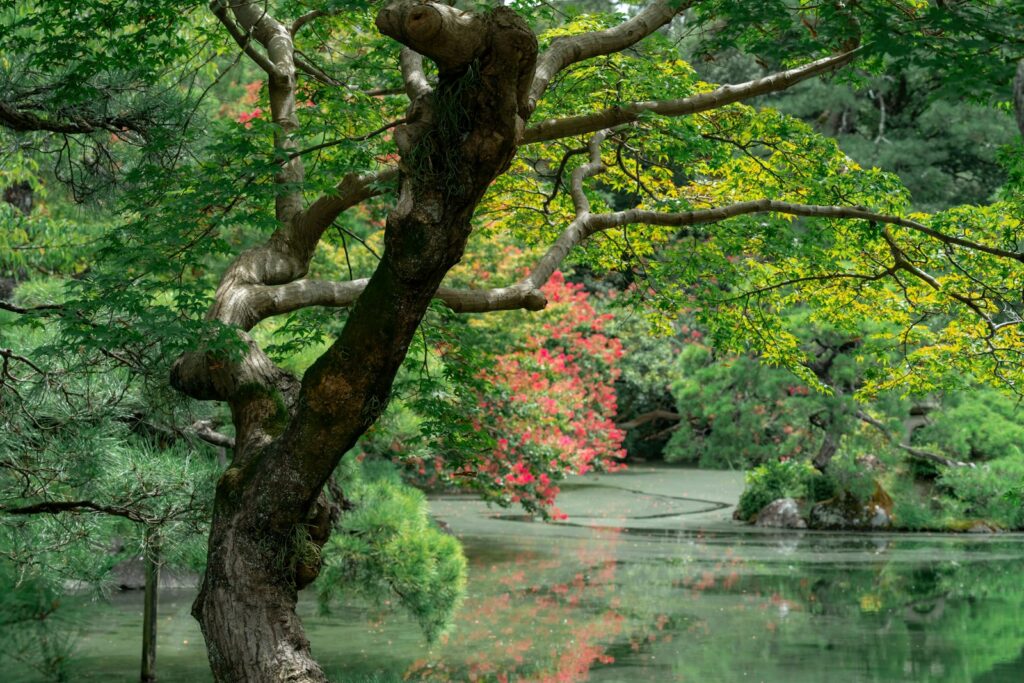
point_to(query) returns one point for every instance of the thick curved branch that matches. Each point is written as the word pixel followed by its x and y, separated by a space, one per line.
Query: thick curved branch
pixel 569 50
pixel 286 255
pixel 262 302
pixel 416 85
pixel 254 23
pixel 352 190
pixel 268 301
pixel 448 36
pixel 244 39
pixel 554 129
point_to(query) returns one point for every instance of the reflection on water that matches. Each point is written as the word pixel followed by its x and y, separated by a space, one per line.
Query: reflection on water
pixel 666 603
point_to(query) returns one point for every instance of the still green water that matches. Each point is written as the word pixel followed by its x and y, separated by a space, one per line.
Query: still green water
pixel 651 581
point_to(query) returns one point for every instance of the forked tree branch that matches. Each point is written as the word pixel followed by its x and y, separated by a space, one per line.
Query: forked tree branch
pixel 569 50
pixel 554 129
pixel 244 39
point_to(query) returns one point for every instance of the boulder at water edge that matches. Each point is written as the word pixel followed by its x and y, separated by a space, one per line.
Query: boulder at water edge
pixel 783 513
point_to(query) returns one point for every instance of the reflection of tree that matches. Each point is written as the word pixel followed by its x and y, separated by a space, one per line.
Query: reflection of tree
pixel 872 621
pixel 691 607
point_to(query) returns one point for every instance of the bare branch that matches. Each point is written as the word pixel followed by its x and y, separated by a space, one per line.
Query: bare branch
pixel 8 354
pixel 416 85
pixel 14 308
pixel 916 452
pixel 205 431
pixel 244 40
pixel 355 138
pixel 308 17
pixel 553 129
pixel 20 120
pixel 259 302
pixel 566 51
pixel 316 73
pixel 56 507
pixel 612 220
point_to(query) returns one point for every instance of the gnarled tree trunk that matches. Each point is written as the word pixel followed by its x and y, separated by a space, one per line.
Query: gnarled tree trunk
pixel 290 435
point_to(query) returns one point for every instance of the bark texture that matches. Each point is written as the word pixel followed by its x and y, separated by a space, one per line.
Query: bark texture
pixel 270 516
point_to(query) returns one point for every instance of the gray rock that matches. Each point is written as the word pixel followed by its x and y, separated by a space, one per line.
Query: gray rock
pixel 783 513
pixel 879 518
pixel 848 515
pixel 824 516
pixel 981 528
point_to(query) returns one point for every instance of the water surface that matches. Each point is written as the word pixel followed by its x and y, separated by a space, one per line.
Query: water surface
pixel 650 580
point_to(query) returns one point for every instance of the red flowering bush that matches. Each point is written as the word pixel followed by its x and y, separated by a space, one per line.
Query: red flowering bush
pixel 554 401
pixel 542 410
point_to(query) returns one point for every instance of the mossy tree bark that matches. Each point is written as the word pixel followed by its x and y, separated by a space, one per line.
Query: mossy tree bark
pixel 290 434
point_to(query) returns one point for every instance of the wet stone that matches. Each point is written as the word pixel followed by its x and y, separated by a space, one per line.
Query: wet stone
pixel 783 513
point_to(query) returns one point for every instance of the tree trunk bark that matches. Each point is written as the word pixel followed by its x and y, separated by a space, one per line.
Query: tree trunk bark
pixel 269 517
pixel 151 561
pixel 246 606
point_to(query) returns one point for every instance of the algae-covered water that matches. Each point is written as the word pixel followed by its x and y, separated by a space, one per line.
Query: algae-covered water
pixel 650 580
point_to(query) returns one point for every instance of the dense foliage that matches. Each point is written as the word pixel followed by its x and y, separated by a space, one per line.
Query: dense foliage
pixel 261 201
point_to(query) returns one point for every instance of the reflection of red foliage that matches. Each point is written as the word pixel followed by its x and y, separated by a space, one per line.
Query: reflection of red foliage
pixel 505 603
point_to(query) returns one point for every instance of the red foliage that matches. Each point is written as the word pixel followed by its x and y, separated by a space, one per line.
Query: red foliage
pixel 553 403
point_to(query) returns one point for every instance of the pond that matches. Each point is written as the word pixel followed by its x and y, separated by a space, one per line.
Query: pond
pixel 650 580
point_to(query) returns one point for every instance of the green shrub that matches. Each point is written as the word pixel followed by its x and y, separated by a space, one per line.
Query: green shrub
pixel 987 491
pixel 774 480
pixel 387 548
pixel 851 478
pixel 982 424
pixel 821 487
